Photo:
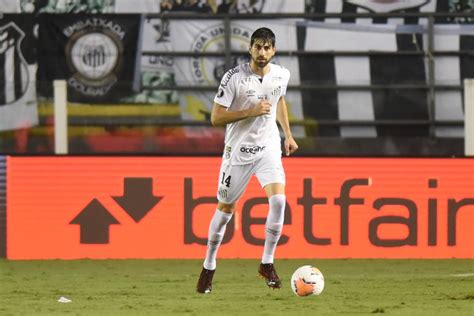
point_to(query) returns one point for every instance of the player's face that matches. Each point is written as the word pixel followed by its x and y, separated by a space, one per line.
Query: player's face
pixel 261 53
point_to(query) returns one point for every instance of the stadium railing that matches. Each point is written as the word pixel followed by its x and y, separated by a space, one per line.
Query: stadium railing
pixel 95 116
pixel 429 53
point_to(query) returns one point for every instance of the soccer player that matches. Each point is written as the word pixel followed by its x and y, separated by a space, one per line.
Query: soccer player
pixel 249 101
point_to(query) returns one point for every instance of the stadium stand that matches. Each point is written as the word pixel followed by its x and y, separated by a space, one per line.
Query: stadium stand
pixel 368 78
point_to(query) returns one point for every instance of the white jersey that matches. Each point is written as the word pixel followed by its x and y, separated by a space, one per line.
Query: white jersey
pixel 240 89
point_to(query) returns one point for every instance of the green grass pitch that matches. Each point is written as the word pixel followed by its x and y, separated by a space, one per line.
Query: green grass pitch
pixel 167 287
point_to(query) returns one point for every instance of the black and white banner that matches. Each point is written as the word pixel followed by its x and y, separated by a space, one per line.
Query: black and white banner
pixel 18 106
pixel 452 70
pixel 96 54
pixel 407 34
pixel 156 71
pixel 359 104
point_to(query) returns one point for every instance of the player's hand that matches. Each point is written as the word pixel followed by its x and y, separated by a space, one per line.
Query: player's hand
pixel 290 146
pixel 261 108
pixel 303 289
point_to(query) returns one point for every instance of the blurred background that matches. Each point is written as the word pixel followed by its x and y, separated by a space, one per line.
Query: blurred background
pixel 368 77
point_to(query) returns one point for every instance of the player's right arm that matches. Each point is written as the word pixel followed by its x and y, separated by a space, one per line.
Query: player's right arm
pixel 221 115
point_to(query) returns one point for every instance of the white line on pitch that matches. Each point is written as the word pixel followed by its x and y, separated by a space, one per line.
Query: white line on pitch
pixel 461 275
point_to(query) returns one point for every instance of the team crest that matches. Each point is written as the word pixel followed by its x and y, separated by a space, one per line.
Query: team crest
pixel 208 70
pixel 14 68
pixel 94 55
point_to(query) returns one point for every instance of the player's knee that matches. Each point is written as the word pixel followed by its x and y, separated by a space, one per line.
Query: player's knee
pixel 226 207
pixel 278 202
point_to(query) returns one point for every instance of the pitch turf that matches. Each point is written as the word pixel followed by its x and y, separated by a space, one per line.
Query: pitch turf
pixel 167 287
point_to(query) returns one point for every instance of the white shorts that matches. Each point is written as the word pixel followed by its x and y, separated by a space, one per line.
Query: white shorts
pixel 233 179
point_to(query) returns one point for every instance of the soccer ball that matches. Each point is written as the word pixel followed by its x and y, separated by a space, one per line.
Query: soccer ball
pixel 307 280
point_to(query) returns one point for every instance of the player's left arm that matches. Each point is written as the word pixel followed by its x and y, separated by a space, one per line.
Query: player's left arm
pixel 282 117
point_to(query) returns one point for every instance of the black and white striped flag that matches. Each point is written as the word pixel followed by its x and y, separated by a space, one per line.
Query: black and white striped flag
pixel 390 35
pixel 18 106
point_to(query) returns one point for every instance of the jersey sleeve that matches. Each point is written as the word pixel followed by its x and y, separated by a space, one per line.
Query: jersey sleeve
pixel 226 92
pixel 285 81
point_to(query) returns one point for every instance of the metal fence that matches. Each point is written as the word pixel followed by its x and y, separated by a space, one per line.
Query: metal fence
pixel 430 86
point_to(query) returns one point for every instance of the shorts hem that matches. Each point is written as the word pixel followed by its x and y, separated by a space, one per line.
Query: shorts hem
pixel 270 182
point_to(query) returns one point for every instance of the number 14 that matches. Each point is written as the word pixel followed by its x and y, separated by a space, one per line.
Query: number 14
pixel 225 180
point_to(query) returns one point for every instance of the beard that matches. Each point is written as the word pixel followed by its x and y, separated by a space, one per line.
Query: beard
pixel 261 62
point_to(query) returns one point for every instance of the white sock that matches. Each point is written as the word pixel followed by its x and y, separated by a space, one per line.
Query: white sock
pixel 216 233
pixel 273 226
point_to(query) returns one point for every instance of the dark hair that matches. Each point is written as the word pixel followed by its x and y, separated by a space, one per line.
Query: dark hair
pixel 264 34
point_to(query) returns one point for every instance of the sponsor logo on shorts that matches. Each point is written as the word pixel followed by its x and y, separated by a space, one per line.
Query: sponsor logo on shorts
pixel 252 150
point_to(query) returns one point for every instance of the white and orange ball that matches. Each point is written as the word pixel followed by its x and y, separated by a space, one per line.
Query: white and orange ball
pixel 307 280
